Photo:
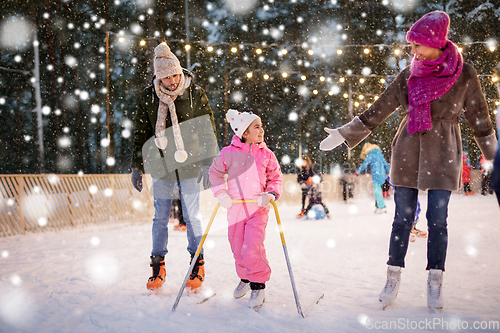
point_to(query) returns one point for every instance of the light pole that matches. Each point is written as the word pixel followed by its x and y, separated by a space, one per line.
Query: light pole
pixel 38 99
pixel 188 55
pixel 108 108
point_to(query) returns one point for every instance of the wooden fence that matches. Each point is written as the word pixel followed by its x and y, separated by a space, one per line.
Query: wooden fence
pixel 52 202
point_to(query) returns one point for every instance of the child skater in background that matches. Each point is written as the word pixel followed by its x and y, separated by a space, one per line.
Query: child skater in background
pixel 253 173
pixel 315 198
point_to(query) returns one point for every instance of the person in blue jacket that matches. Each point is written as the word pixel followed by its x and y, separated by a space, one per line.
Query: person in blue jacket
pixel 373 157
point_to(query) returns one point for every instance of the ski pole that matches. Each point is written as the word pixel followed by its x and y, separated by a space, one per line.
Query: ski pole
pixel 282 235
pixel 195 257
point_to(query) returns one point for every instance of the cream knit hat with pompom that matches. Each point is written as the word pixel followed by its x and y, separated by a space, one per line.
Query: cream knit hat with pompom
pixel 165 62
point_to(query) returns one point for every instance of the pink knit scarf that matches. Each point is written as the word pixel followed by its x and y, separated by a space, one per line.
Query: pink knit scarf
pixel 429 80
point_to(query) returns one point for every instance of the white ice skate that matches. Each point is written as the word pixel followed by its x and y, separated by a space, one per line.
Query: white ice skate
pixel 391 289
pixel 435 300
pixel 257 299
pixel 241 289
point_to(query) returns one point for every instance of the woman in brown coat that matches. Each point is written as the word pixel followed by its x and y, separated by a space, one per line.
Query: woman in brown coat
pixel 427 148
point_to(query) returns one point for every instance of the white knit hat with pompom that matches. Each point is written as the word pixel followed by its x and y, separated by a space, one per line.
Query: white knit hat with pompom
pixel 240 121
pixel 165 62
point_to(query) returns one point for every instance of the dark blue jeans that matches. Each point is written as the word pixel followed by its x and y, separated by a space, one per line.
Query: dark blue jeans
pixel 437 211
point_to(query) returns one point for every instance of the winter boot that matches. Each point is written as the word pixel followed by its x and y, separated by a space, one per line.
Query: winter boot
pixel 242 288
pixel 159 273
pixel 302 213
pixel 434 289
pixel 197 275
pixel 258 296
pixel 391 289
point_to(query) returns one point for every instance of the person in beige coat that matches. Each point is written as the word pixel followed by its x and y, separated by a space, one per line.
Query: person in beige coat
pixel 427 148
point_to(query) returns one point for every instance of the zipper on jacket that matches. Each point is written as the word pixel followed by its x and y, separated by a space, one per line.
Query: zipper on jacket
pixel 250 147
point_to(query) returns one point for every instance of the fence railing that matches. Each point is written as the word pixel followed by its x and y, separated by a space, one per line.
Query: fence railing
pixel 52 202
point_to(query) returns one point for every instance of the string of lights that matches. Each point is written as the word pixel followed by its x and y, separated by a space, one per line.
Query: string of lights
pixel 283 50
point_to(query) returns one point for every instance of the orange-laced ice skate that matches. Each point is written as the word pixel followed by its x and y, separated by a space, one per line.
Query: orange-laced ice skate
pixel 417 233
pixel 180 227
pixel 159 273
pixel 420 233
pixel 302 213
pixel 197 276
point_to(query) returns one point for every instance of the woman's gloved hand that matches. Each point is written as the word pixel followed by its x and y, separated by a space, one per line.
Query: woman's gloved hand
pixel 335 139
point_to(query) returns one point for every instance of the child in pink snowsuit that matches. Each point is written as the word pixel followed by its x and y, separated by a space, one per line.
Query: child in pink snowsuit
pixel 253 173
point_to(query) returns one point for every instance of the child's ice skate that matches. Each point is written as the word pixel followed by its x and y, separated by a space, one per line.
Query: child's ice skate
pixel 242 288
pixel 258 296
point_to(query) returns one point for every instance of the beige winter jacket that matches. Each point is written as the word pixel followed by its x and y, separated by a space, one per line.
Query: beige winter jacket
pixel 431 159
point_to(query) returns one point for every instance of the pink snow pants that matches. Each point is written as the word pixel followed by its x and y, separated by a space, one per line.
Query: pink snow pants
pixel 246 233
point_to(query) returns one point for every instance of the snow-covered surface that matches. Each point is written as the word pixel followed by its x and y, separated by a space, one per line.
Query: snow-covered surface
pixel 93 279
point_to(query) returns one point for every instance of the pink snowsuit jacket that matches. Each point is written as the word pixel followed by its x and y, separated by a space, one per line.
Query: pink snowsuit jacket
pixel 251 169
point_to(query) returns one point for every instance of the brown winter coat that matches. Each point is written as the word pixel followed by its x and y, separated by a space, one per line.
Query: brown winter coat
pixel 431 159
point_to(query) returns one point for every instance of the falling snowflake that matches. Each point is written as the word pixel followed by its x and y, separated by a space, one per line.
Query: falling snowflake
pixel 237 96
pixel 71 61
pixel 102 268
pixel 285 159
pixel 42 221
pixel 46 110
pixel 303 91
pixel 94 241
pixel 471 251
pixel 64 142
pixel 93 189
pixel 16 32
pixel 330 243
pixel 110 161
pixel 240 7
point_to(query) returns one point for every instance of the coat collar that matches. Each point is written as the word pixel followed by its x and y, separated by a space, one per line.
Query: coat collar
pixel 246 146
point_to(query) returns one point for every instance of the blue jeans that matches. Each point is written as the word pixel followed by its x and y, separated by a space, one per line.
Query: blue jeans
pixel 190 199
pixel 437 211
pixel 379 197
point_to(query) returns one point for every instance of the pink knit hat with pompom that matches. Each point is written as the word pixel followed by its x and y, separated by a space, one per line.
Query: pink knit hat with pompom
pixel 431 30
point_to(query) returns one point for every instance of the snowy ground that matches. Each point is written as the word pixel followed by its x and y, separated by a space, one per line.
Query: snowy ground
pixel 93 279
